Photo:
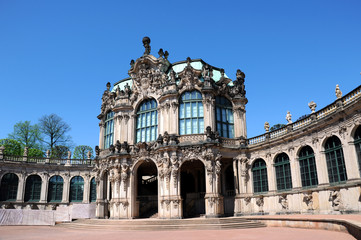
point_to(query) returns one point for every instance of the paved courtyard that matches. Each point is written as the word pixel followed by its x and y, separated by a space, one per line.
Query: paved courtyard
pixel 269 233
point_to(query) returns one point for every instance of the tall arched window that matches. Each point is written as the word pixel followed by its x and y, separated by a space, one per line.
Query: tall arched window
pixel 283 172
pixel 308 167
pixel 147 121
pixel 357 143
pixel 109 130
pixel 335 162
pixel 224 117
pixel 9 187
pixel 76 189
pixel 55 190
pixel 191 113
pixel 32 189
pixel 259 172
pixel 93 190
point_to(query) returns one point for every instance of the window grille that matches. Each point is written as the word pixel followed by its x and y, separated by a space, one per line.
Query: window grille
pixel 191 113
pixel 9 187
pixel 147 121
pixel 109 130
pixel 335 161
pixel 55 190
pixel 308 167
pixel 283 172
pixel 259 172
pixel 224 117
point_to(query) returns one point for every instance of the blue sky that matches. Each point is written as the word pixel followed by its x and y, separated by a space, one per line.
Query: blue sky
pixel 57 56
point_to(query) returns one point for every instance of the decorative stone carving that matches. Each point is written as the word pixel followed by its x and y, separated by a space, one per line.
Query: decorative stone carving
pixel 283 201
pixel 97 151
pixel 69 155
pixel 338 92
pixel 266 126
pixel 146 44
pixel 211 136
pixel 260 203
pixel 308 199
pixel 312 105
pixel 247 200
pixel 189 77
pixel 289 117
pixel 335 199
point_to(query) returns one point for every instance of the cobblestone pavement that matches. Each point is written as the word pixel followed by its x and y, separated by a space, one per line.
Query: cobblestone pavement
pixel 268 233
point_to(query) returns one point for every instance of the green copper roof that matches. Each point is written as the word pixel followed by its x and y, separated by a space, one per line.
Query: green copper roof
pixel 177 67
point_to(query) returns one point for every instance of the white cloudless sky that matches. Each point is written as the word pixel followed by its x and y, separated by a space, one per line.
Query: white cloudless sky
pixel 57 56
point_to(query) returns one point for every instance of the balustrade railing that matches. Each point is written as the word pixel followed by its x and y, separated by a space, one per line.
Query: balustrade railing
pixel 44 160
pixel 326 111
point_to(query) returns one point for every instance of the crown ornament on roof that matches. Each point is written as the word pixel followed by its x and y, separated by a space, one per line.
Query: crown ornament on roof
pixel 146 44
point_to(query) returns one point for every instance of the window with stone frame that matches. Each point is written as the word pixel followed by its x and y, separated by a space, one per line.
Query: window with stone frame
pixel 259 173
pixel 191 115
pixel 147 121
pixel 76 189
pixel 93 189
pixel 357 142
pixel 55 189
pixel 308 170
pixel 9 187
pixel 336 167
pixel 109 129
pixel 283 172
pixel 224 117
pixel 33 189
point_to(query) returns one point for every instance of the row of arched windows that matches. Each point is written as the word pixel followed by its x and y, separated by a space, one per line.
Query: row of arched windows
pixel 191 118
pixel 335 167
pixel 10 181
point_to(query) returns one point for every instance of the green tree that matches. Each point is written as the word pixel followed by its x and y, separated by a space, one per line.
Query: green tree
pixel 54 130
pixel 12 147
pixel 34 152
pixel 277 126
pixel 26 134
pixel 81 152
pixel 60 152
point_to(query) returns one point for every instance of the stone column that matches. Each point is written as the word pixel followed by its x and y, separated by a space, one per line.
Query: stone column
pixel 295 169
pixel 351 159
pixel 271 174
pixel 44 188
pixel 321 164
pixel 21 188
pixel 86 192
pixel 101 134
pixel 100 211
pixel 66 188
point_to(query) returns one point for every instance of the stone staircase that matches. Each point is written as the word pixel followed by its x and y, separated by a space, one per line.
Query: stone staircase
pixel 163 224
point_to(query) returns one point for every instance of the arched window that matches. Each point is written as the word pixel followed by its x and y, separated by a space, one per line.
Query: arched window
pixel 109 130
pixel 224 117
pixel 147 121
pixel 191 113
pixel 308 167
pixel 55 190
pixel 32 189
pixel 93 189
pixel 259 172
pixel 335 162
pixel 283 172
pixel 357 143
pixel 9 187
pixel 76 189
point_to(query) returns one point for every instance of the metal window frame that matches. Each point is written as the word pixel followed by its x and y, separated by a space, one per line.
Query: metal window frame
pixel 183 102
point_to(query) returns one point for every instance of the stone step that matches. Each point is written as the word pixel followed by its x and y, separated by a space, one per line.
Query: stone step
pixel 159 224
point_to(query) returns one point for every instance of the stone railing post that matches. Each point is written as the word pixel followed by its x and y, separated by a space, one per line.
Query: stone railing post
pixel 2 149
pixel 47 160
pixel 68 159
pixel 25 155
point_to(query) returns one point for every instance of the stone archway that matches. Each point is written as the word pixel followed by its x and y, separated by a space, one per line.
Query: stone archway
pixel 193 188
pixel 147 189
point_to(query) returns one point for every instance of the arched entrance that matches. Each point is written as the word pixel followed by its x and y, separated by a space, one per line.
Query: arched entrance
pixel 147 189
pixel 193 188
pixel 228 190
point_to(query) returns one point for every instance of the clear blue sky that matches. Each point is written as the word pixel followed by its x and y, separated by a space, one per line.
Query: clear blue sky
pixel 57 56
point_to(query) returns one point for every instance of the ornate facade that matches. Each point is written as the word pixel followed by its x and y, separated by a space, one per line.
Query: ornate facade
pixel 173 144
